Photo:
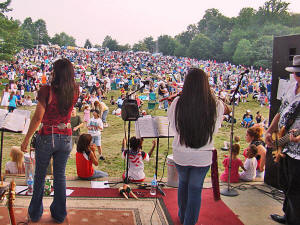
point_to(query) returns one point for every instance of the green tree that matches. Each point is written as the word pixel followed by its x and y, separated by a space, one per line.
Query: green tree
pixel 88 44
pixel 124 48
pixel 262 52
pixel 229 46
pixel 25 39
pixel 110 43
pixel 185 37
pixel 63 39
pixel 246 18
pixel 9 35
pixel 294 20
pixel 98 46
pixel 4 7
pixel 273 11
pixel 166 44
pixel 180 50
pixel 140 46
pixel 217 28
pixel 150 44
pixel 201 47
pixel 243 54
pixel 40 33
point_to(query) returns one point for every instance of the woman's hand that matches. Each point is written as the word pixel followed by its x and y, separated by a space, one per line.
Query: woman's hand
pixel 24 145
pixel 93 147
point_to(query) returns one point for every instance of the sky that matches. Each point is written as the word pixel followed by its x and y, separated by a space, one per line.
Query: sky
pixel 127 21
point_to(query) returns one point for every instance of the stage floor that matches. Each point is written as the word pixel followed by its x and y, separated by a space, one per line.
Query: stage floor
pixel 251 205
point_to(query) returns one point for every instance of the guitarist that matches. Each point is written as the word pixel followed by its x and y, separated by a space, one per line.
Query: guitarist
pixel 289 116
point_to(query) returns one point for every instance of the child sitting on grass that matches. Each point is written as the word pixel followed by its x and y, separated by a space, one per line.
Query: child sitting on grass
pixel 136 157
pixel 86 157
pixel 235 164
pixel 16 165
pixel 250 164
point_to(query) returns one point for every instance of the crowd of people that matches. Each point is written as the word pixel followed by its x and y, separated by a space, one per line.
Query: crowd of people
pixel 46 71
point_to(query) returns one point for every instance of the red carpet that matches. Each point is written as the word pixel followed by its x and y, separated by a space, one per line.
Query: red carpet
pixel 211 213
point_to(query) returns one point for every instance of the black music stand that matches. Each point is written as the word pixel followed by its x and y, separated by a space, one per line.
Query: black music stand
pixel 156 158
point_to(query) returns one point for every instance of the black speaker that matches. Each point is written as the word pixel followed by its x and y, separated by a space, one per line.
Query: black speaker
pixel 284 49
pixel 130 110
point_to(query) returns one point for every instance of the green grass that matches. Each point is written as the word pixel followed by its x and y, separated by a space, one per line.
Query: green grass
pixel 113 135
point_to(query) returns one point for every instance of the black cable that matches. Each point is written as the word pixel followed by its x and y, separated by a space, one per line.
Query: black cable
pixel 124 146
pixel 272 193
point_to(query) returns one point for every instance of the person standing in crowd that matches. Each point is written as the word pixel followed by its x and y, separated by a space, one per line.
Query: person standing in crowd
pixel 76 124
pixel 53 112
pixel 5 96
pixel 12 105
pixel 95 126
pixel 193 140
pixel 289 166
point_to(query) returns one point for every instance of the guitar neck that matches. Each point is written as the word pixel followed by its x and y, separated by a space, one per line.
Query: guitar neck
pixel 286 138
pixel 11 197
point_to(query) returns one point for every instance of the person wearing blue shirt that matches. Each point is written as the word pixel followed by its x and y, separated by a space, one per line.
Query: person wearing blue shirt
pixel 12 102
pixel 120 101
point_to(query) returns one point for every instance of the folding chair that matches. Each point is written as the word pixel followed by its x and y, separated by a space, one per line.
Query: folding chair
pixel 152 101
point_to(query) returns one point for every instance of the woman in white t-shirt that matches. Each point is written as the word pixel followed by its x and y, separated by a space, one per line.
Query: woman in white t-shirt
pixel 194 117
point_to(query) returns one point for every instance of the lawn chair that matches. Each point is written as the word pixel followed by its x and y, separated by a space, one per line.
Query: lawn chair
pixel 152 101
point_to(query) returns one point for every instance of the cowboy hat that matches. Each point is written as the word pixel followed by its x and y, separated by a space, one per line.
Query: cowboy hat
pixel 296 65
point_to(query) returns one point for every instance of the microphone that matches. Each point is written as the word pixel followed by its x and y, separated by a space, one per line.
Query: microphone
pixel 246 71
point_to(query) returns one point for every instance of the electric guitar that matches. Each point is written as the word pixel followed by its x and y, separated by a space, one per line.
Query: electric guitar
pixel 280 139
pixel 11 196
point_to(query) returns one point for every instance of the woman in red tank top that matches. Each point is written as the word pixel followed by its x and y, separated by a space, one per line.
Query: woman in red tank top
pixel 53 112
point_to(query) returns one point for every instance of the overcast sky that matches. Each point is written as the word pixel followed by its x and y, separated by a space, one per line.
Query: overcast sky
pixel 127 21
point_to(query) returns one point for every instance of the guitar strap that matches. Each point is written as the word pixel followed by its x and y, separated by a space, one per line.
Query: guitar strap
pixel 291 115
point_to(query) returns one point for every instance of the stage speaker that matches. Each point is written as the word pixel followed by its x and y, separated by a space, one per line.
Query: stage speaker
pixel 284 49
pixel 130 110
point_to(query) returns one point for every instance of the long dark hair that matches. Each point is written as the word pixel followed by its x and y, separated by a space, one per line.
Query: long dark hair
pixel 84 142
pixel 63 84
pixel 195 113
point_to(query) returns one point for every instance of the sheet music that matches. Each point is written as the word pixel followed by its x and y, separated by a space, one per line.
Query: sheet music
pixel 162 123
pixel 153 127
pixel 17 121
pixel 145 127
pixel 3 113
pixel 99 184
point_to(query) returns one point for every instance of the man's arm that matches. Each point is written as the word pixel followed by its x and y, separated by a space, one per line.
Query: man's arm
pixel 272 128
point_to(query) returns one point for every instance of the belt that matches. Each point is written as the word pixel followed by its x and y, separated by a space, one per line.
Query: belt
pixel 60 126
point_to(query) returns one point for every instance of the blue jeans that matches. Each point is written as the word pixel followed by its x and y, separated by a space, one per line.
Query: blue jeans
pixel 191 180
pixel 97 174
pixel 43 153
pixel 104 115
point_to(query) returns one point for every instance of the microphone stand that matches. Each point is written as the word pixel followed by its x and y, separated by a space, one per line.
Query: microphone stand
pixel 227 191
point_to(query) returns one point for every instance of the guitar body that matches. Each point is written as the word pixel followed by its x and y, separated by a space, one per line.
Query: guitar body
pixel 280 139
pixel 277 151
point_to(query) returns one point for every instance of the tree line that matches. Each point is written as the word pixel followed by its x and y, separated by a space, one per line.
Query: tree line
pixel 243 40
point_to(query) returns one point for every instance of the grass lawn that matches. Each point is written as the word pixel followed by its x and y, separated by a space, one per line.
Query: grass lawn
pixel 113 135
